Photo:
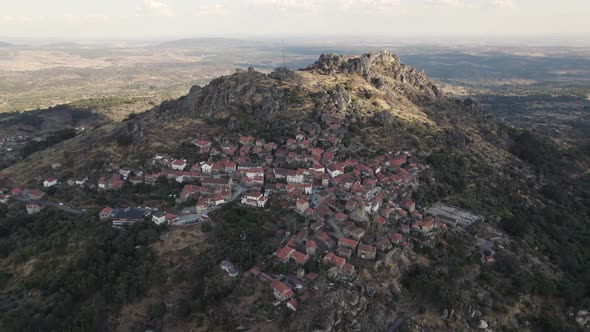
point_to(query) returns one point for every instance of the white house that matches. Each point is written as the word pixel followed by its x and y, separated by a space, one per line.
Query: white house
pixel 206 167
pixel 102 183
pixel 254 198
pixel 49 182
pixel 334 170
pixel 125 172
pixel 317 168
pixel 33 208
pixel 159 218
pixel 254 172
pixel 230 268
pixel 293 304
pixel 218 200
pixel 294 176
pixel 179 164
pixel 262 201
pixel 80 182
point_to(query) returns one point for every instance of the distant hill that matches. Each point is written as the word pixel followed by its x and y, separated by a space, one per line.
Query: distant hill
pixel 8 45
pixel 209 43
pixel 63 45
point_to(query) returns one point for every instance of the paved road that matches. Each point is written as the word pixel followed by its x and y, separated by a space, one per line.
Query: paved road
pixel 48 203
pixel 194 217
pixel 335 227
pixel 183 219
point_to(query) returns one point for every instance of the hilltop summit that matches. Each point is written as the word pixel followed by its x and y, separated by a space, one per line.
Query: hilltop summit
pixel 330 82
pixel 374 66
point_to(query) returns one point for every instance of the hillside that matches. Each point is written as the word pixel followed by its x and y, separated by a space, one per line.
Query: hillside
pixel 376 92
pixel 510 271
pixel 8 45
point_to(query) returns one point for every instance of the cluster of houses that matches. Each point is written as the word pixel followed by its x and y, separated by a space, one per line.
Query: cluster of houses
pixel 358 206
pixel 30 194
pixel 14 139
pixel 360 210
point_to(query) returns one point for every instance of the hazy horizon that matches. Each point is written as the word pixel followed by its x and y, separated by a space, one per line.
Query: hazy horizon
pixel 417 40
pixel 543 21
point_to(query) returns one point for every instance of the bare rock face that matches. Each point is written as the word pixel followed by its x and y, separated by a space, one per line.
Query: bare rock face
pixel 341 99
pixel 268 97
pixel 342 306
pixel 482 325
pixel 247 91
pixel 348 310
pixel 373 67
pixel 284 74
pixel 582 317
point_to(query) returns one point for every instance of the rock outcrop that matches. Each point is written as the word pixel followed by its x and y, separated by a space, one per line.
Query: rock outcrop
pixel 247 91
pixel 266 96
pixel 374 67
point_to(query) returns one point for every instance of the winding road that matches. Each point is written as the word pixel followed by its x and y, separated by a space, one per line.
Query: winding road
pixel 183 219
pixel 187 219
pixel 48 203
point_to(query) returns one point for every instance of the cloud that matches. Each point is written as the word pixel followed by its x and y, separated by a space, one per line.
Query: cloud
pixel 100 18
pixel 289 5
pixel 378 5
pixel 327 5
pixel 214 9
pixel 452 3
pixel 502 3
pixel 373 6
pixel 83 18
pixel 157 8
pixel 69 17
pixel 16 19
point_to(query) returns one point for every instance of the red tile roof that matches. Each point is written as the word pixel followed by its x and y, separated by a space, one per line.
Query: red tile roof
pixel 293 303
pixel 338 261
pixel 341 216
pixel 281 288
pixel 202 143
pixel 396 237
pixel 347 242
pixel 311 244
pixel 299 258
pixel 189 189
pixel 284 253
pixel 36 193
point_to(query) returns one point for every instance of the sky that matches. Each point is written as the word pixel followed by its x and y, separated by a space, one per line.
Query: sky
pixel 162 19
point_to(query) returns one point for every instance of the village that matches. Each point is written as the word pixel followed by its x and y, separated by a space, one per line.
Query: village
pixel 358 209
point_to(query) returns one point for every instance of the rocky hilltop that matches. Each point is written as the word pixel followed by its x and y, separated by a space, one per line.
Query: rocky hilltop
pixel 265 96
pixel 375 93
pixel 363 111
pixel 375 67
